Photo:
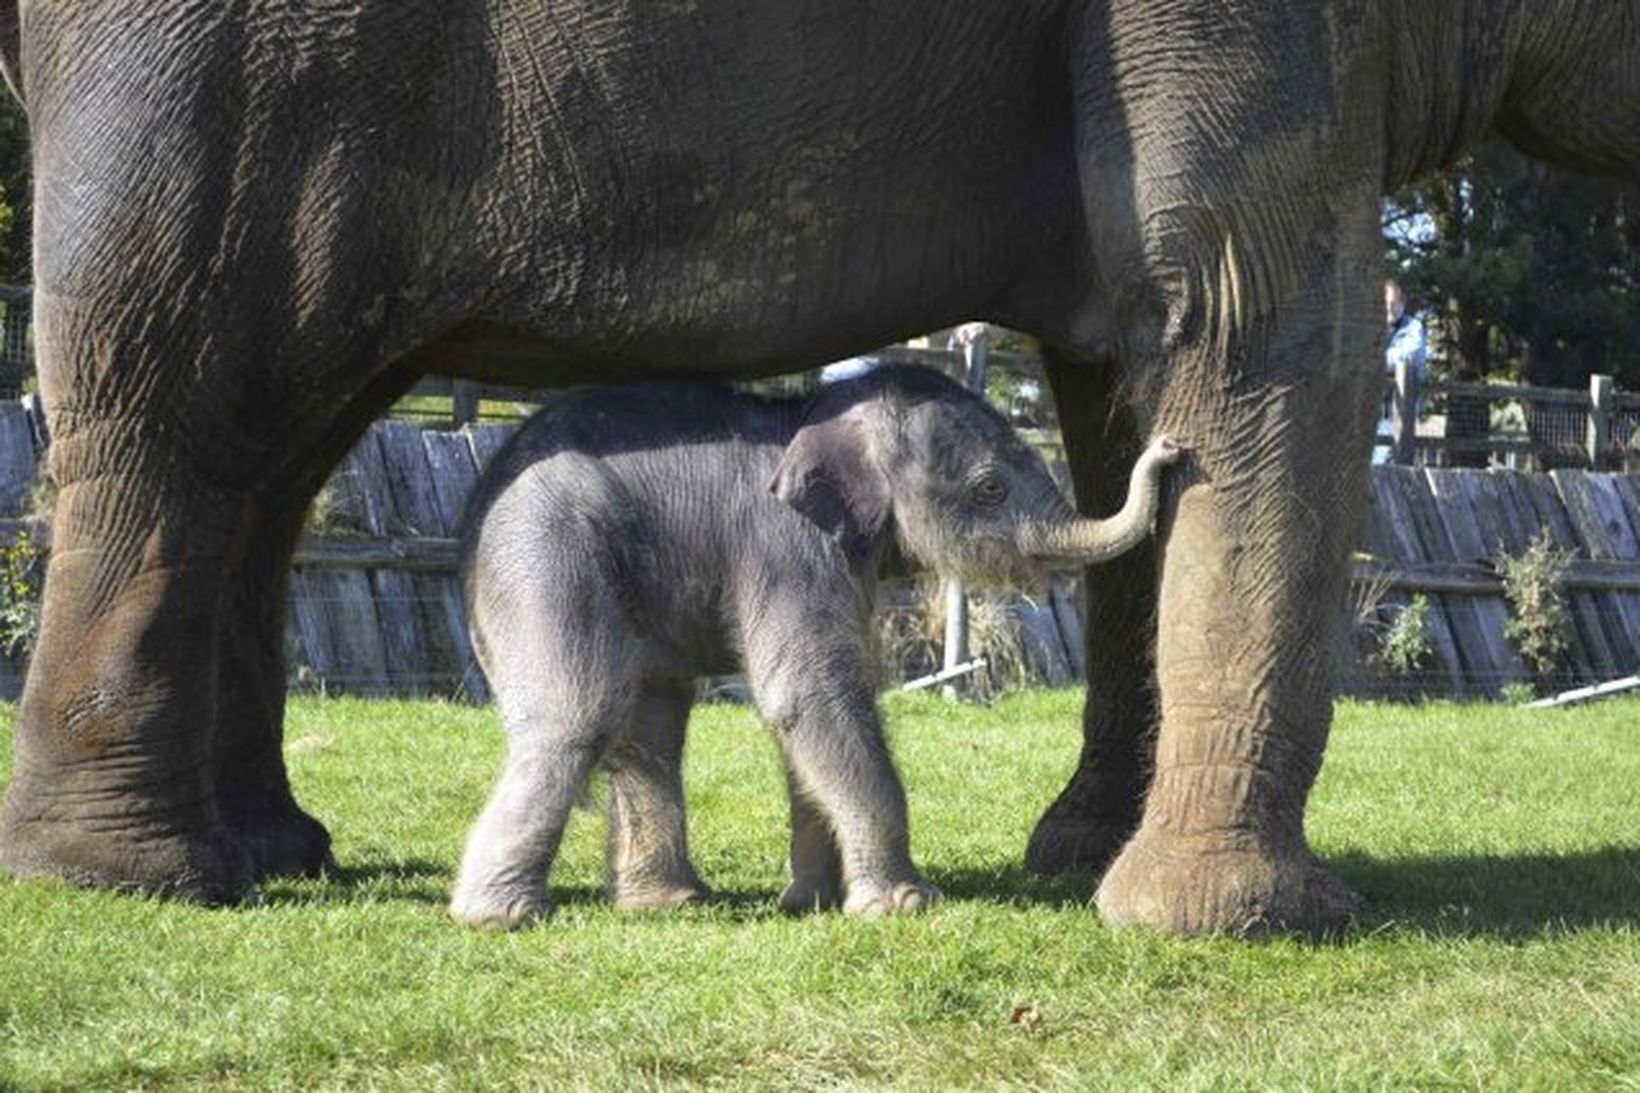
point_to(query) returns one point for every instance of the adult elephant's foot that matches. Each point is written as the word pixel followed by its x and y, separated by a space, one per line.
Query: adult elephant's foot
pixel 283 843
pixel 869 900
pixel 1076 836
pixel 1228 885
pixel 40 837
pixel 500 909
pixel 1074 844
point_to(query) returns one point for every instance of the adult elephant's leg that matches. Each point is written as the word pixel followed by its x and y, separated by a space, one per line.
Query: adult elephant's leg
pixel 1277 418
pixel 1094 815
pixel 252 789
pixel 151 715
pixel 1233 216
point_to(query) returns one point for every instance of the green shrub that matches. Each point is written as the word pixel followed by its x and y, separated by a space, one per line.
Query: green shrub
pixel 1537 609
pixel 22 564
pixel 1406 647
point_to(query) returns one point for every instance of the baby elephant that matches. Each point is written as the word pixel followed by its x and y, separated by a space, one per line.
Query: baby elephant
pixel 630 539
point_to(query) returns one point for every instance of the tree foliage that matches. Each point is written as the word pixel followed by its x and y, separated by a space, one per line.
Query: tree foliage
pixel 1530 272
pixel 15 205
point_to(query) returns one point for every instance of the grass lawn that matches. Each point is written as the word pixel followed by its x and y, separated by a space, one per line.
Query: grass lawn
pixel 1499 851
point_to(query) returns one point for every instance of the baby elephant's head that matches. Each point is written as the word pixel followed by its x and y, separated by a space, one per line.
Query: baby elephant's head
pixel 910 450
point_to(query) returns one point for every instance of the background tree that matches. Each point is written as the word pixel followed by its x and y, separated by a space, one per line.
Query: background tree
pixel 14 193
pixel 1528 273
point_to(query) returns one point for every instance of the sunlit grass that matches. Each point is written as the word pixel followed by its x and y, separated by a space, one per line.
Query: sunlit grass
pixel 1499 851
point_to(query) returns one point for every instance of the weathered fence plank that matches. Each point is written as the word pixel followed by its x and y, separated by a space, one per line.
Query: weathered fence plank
pixel 341 633
pixel 1457 516
pixel 1604 533
pixel 415 506
pixel 16 460
pixel 417 510
pixel 450 458
pixel 404 642
pixel 486 441
pixel 1391 486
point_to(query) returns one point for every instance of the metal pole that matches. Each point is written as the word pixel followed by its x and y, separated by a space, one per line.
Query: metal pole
pixel 1600 421
pixel 1404 427
pixel 975 343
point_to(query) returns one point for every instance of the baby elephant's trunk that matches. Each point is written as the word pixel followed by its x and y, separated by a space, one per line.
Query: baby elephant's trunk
pixel 1088 542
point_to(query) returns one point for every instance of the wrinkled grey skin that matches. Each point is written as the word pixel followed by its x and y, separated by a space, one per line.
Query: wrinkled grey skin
pixel 257 223
pixel 631 539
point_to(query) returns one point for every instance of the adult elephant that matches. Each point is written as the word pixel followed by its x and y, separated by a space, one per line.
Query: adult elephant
pixel 257 224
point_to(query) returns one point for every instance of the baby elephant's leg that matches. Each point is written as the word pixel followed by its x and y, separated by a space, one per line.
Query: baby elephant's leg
pixel 815 867
pixel 502 883
pixel 555 663
pixel 839 761
pixel 648 852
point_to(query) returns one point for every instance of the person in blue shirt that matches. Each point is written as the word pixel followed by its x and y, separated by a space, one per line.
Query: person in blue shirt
pixel 1406 342
pixel 1406 333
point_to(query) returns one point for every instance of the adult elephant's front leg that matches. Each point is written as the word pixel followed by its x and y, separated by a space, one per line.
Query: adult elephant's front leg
pixel 1253 578
pixel 1232 171
pixel 1094 815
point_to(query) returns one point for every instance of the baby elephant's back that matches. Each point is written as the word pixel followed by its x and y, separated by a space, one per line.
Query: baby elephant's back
pixel 640 495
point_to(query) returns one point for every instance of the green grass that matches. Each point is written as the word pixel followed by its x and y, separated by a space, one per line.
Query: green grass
pixel 1499 851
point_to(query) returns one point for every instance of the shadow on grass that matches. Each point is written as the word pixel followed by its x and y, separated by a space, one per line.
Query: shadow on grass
pixel 1015 885
pixel 414 880
pixel 427 882
pixel 1510 896
pixel 734 904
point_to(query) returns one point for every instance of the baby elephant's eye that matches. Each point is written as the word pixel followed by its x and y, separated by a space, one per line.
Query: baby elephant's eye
pixel 988 488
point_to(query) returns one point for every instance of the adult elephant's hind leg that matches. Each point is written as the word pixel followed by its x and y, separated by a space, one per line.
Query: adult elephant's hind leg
pixel 252 788
pixel 1097 812
pixel 113 780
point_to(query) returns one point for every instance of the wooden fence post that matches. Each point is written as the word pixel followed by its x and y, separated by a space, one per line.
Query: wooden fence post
pixel 1600 422
pixel 975 342
pixel 1404 420
pixel 463 402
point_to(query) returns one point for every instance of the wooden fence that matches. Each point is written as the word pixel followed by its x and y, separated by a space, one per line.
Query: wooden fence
pixel 1509 425
pixel 375 606
pixel 1440 532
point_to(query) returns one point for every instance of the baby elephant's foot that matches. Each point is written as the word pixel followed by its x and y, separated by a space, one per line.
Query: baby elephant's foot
pixel 499 911
pixel 805 894
pixel 905 898
pixel 659 897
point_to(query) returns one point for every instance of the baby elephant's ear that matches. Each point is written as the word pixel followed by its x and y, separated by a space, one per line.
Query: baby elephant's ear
pixel 829 475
